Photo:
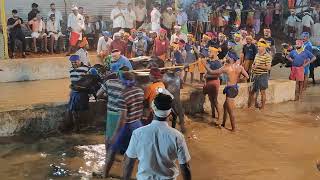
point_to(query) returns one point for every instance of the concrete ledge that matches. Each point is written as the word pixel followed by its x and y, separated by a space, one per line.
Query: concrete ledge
pixel 44 118
pixel 36 68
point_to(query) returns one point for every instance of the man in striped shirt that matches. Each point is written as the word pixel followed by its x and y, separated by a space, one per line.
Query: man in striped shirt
pixel 79 99
pixel 131 112
pixel 260 69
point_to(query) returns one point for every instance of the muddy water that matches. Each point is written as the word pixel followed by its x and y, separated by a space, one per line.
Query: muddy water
pixel 280 143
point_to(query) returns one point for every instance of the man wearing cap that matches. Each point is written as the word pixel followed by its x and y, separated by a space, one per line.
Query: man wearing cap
pixel 150 91
pixel 307 22
pixel 249 53
pixel 33 13
pixel 83 53
pixel 168 20
pixel 131 111
pixel 158 146
pixel 117 17
pixel 155 18
pixel 161 46
pixel 79 99
pixel 292 23
pixel 15 24
pixel 233 71
pixel 54 32
pixel 119 61
pixel 260 73
pixel 178 35
pixel 103 46
pixel 75 27
pixel 300 59
pixel 57 15
pixel 212 84
pixel 118 44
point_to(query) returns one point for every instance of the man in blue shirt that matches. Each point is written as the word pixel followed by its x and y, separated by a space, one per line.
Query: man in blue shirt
pixel 119 61
pixel 310 68
pixel 300 59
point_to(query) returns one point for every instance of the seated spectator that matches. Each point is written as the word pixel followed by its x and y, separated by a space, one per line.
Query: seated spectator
pixel 89 32
pixel 54 32
pixel 118 44
pixel 14 26
pixel 103 46
pixel 140 45
pixel 38 33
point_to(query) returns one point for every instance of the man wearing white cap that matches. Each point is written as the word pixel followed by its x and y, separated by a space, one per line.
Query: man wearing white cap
pixel 75 27
pixel 157 146
pixel 168 20
pixel 155 18
pixel 178 35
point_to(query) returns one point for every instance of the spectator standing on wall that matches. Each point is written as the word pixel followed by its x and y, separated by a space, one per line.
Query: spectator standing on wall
pixel 38 33
pixel 76 26
pixel 141 13
pixel 117 17
pixel 307 22
pixel 155 18
pixel 168 20
pixel 57 15
pixel 130 18
pixel 33 13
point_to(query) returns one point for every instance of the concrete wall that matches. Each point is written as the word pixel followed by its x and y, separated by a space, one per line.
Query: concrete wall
pixel 35 69
pixel 39 119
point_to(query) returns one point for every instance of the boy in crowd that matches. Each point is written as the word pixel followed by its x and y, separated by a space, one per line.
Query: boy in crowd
pixel 233 71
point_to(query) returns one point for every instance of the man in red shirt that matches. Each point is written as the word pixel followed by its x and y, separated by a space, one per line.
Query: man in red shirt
pixel 119 44
pixel 161 46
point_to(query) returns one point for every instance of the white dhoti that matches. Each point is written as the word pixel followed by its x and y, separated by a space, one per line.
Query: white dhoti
pixel 55 35
pixel 38 35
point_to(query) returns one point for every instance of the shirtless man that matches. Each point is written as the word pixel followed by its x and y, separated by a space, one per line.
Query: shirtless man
pixel 233 71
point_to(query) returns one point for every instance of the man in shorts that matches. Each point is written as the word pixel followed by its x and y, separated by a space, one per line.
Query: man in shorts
pixel 233 70
pixel 260 70
pixel 300 59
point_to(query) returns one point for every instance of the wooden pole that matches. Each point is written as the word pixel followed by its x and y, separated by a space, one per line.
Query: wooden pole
pixel 4 29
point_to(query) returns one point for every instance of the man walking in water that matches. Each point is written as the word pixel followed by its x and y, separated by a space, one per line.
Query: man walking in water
pixel 233 71
pixel 260 70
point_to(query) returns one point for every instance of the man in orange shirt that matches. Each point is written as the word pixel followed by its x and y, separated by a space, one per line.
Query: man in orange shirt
pixel 150 91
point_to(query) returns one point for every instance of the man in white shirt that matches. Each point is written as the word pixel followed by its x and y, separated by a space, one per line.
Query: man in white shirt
pixel 103 46
pixel 118 17
pixel 141 14
pixel 307 22
pixel 75 27
pixel 292 23
pixel 54 32
pixel 130 18
pixel 57 14
pixel 155 18
pixel 157 146
pixel 178 35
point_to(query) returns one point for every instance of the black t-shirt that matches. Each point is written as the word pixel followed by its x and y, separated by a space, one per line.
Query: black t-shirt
pixel 17 28
pixel 249 51
pixel 270 41
pixel 32 14
pixel 224 50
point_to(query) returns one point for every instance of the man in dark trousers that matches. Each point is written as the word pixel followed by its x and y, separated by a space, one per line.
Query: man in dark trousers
pixel 14 25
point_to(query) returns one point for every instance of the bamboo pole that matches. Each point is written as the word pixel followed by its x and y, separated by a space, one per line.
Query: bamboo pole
pixel 4 29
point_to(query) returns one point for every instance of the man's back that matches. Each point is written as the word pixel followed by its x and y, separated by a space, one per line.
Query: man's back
pixel 157 146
